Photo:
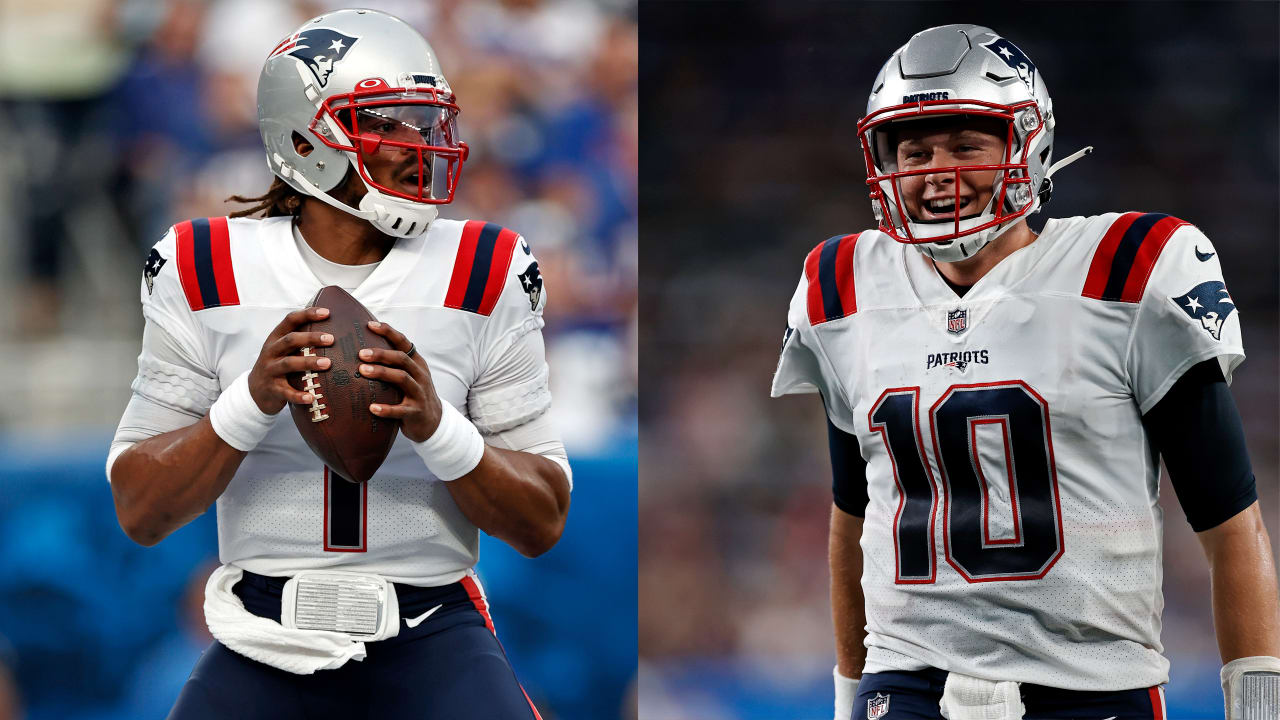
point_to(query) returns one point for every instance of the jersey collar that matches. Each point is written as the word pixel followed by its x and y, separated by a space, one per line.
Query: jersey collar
pixel 1001 280
pixel 301 284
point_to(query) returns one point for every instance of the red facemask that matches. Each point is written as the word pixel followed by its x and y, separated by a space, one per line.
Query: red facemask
pixel 1014 197
pixel 409 135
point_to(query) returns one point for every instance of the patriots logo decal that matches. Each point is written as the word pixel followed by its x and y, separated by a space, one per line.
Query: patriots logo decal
pixel 531 281
pixel 319 48
pixel 1015 59
pixel 1210 303
pixel 152 269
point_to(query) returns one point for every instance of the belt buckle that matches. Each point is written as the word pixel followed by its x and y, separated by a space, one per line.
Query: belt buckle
pixel 359 605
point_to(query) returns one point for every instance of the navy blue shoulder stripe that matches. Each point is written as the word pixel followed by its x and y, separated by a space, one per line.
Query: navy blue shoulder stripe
pixel 829 269
pixel 1127 254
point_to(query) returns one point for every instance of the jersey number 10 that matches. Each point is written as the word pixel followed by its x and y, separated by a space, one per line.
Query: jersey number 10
pixel 1023 420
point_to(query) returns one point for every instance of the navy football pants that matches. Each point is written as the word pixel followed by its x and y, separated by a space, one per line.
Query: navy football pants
pixel 915 696
pixel 449 667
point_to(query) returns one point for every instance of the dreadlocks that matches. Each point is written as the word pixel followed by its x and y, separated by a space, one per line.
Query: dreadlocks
pixel 279 200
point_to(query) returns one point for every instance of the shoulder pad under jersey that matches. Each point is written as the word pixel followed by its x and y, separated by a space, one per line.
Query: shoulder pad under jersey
pixel 203 257
pixel 481 266
pixel 1123 261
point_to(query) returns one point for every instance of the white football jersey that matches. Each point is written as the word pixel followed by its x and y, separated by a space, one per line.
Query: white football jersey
pixel 1012 530
pixel 464 292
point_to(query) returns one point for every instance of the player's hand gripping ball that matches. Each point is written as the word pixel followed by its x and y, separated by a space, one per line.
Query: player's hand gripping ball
pixel 402 365
pixel 337 423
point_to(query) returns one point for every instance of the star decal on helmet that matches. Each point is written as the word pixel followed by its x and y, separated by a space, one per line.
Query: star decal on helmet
pixel 319 48
pixel 1015 59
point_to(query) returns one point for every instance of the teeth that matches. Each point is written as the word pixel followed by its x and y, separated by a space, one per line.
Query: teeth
pixel 944 206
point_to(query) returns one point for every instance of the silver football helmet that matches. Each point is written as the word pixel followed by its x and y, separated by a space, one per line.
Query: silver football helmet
pixel 360 84
pixel 965 70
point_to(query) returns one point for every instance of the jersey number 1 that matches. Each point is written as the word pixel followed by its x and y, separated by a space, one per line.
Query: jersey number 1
pixel 346 513
pixel 1022 418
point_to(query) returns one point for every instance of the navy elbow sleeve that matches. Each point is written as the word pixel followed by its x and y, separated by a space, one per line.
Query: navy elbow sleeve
pixel 848 471
pixel 1197 430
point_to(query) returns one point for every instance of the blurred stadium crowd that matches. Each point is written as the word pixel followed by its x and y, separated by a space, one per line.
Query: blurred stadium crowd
pixel 749 159
pixel 126 116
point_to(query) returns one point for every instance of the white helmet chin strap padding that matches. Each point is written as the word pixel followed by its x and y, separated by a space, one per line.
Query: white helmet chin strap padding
pixel 392 216
pixel 960 248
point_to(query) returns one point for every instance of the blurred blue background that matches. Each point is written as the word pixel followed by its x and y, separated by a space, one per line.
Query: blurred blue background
pixel 123 117
pixel 104 629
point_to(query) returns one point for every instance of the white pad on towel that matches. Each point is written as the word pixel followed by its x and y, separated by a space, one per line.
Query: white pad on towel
pixel 971 698
pixel 301 652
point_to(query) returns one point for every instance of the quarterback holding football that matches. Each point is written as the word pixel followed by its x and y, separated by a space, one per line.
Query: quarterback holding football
pixel 998 400
pixel 347 586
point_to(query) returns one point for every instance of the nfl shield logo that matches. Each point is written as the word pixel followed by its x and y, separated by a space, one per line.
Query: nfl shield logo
pixel 957 321
pixel 877 707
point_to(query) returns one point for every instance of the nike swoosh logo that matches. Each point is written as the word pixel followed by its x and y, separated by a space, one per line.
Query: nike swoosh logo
pixel 1113 717
pixel 1201 257
pixel 415 622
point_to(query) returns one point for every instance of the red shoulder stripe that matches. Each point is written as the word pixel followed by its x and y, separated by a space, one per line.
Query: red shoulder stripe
pixel 829 270
pixel 1124 259
pixel 498 267
pixel 220 252
pixel 204 263
pixel 187 265
pixel 462 264
pixel 480 269
pixel 1148 253
pixel 844 274
pixel 1100 269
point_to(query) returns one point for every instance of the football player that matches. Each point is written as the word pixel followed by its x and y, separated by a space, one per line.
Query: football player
pixel 996 399
pixel 358 123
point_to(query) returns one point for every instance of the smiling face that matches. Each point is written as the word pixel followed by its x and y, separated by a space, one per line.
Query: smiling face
pixel 942 144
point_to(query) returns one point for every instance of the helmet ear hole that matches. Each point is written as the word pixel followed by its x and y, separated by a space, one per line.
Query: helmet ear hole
pixel 301 145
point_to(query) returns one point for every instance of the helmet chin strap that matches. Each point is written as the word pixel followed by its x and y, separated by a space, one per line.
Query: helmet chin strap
pixel 392 216
pixel 1087 150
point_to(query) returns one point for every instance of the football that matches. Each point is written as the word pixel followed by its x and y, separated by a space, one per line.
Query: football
pixel 337 424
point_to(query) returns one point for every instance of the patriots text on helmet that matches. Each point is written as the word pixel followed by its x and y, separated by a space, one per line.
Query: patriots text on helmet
pixel 967 74
pixel 355 112
pixel 926 96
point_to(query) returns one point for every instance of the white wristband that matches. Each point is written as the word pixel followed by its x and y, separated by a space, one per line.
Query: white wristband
pixel 237 418
pixel 455 448
pixel 846 693
pixel 1251 687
